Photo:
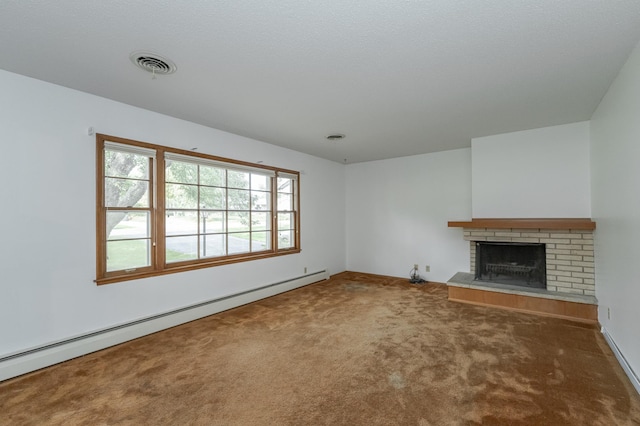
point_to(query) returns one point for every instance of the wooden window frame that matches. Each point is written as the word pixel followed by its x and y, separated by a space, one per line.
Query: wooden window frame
pixel 159 266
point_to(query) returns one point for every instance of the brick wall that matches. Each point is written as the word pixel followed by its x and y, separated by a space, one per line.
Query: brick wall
pixel 570 262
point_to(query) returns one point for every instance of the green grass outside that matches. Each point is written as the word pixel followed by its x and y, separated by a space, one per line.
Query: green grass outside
pixel 128 254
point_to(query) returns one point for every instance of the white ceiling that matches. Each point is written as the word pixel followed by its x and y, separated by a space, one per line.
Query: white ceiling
pixel 398 77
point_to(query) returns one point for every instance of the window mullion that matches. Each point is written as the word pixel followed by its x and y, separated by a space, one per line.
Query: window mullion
pixel 200 228
pixel 160 213
pixel 274 214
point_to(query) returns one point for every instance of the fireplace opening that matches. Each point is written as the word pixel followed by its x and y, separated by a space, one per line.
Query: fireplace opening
pixel 520 264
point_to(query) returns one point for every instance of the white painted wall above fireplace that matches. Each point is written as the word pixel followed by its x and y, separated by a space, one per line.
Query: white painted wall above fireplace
pixel 539 173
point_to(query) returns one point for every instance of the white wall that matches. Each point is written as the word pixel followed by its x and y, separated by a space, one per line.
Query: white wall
pixel 47 219
pixel 615 165
pixel 540 173
pixel 397 214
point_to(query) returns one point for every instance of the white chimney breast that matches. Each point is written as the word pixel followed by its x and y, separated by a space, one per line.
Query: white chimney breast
pixel 539 173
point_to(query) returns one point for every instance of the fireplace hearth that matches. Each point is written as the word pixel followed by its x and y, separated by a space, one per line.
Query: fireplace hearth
pixel 518 264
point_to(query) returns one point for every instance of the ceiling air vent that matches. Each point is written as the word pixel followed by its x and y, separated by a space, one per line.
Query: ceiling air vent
pixel 153 63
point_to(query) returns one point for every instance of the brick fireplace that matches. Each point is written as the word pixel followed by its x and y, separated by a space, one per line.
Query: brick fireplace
pixel 569 254
pixel 570 273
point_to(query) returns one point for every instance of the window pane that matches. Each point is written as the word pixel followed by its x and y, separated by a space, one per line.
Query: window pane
pixel 180 196
pixel 238 199
pixel 285 220
pixel 126 192
pixel 260 200
pixel 239 243
pixel 285 239
pixel 238 221
pixel 128 225
pixel 181 248
pixel 213 245
pixel 259 182
pixel 212 176
pixel 181 222
pixel 260 221
pixel 128 254
pixel 123 164
pixel 284 185
pixel 237 179
pixel 214 222
pixel 260 241
pixel 179 172
pixel 212 198
pixel 285 202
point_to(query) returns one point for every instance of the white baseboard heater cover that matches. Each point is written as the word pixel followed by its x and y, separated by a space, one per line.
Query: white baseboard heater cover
pixel 29 360
pixel 622 360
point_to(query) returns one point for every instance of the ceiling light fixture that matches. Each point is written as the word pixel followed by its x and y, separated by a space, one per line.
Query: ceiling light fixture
pixel 336 136
pixel 153 63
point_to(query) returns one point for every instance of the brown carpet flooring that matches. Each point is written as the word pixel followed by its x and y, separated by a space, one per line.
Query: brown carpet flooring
pixel 353 350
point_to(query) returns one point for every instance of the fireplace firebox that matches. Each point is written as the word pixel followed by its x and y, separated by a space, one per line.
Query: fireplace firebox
pixel 519 264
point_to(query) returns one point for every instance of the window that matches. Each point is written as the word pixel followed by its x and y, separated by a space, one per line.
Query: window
pixel 286 210
pixel 163 210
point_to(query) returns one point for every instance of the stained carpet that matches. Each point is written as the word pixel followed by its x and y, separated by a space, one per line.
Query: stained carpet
pixel 354 350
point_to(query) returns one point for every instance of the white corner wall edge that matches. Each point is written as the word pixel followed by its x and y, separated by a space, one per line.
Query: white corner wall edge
pixel 33 359
pixel 622 360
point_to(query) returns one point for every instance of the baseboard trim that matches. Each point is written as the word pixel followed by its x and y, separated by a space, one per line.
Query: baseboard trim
pixel 622 360
pixel 348 274
pixel 26 361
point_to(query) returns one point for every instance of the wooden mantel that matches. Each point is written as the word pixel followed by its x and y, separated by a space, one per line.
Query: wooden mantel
pixel 513 223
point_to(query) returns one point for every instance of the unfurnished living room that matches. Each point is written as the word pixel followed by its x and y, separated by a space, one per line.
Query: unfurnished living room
pixel 399 212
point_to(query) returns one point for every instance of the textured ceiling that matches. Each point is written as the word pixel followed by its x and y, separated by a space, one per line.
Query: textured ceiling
pixel 398 77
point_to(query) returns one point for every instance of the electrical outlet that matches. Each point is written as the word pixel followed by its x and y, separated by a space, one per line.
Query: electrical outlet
pixel 427 268
pixel 305 269
pixel 415 266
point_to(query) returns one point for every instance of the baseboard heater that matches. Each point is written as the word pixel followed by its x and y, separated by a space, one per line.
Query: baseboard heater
pixel 633 377
pixel 32 359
